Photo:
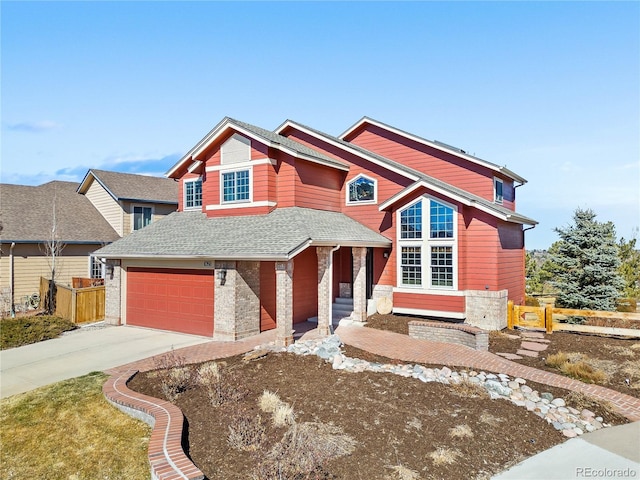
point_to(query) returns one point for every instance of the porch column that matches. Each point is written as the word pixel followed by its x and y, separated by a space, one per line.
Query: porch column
pixel 113 293
pixel 284 303
pixel 359 284
pixel 237 300
pixel 324 289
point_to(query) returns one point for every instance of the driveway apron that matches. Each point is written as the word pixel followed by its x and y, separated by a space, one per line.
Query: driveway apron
pixel 80 352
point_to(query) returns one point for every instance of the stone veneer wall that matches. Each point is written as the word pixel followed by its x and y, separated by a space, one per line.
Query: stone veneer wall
pixel 112 299
pixel 237 302
pixel 379 291
pixel 486 309
pixel 461 334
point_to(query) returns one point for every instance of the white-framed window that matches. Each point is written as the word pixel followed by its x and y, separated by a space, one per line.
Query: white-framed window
pixel 361 190
pixel 427 260
pixel 236 186
pixel 141 217
pixel 96 268
pixel 498 186
pixel 193 193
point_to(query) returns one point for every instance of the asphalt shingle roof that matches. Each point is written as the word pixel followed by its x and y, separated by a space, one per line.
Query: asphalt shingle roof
pixel 277 235
pixel 27 214
pixel 141 188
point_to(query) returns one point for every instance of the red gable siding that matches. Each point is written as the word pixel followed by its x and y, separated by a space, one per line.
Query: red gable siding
pixel 511 271
pixel 441 165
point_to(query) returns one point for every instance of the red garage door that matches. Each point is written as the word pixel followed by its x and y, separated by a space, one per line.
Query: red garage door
pixel 171 299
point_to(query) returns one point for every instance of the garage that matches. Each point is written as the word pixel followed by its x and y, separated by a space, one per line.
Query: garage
pixel 179 300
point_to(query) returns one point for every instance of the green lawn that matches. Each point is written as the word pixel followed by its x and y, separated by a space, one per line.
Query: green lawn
pixel 15 332
pixel 69 431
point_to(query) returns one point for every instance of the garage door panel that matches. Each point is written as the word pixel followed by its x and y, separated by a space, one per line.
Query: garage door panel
pixel 171 299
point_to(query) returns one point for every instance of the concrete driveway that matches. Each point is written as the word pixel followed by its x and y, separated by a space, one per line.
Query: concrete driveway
pixel 82 351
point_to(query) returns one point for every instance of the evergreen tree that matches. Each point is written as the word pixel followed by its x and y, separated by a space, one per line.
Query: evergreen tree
pixel 587 263
pixel 630 267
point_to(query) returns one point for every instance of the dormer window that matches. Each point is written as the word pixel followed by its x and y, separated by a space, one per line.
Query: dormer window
pixel 141 217
pixel 236 186
pixel 193 193
pixel 498 196
pixel 361 190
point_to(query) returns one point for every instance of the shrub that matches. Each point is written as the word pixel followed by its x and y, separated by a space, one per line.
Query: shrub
pixel 269 401
pixel 628 305
pixel 531 301
pixel 461 431
pixel 444 456
pixel 220 386
pixel 303 450
pixel 15 332
pixel 174 374
pixel 283 415
pixel 466 388
pixel 246 431
pixel 576 366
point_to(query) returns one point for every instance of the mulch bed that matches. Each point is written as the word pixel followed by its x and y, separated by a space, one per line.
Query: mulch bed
pixel 397 422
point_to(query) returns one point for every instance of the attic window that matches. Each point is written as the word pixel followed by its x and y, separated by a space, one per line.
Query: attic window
pixel 498 185
pixel 361 190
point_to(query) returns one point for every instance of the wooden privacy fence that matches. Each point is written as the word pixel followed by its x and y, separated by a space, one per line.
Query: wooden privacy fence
pixel 547 318
pixel 79 305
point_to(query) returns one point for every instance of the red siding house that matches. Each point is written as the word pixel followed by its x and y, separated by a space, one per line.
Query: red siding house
pixel 279 227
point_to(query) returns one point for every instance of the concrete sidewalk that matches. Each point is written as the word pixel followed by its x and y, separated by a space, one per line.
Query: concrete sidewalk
pixel 82 351
pixel 612 452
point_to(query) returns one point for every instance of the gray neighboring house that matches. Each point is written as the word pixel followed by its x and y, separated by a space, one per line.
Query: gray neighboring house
pixel 104 207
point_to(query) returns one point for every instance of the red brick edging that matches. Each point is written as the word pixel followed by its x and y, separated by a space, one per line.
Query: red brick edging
pixel 166 457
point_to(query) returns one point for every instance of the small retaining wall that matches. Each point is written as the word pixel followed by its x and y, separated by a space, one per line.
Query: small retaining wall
pixel 461 334
pixel 167 459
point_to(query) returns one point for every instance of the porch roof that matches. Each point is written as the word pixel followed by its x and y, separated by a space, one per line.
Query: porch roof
pixel 279 235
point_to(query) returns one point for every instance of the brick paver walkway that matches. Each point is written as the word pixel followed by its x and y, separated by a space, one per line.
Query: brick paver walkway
pixel 167 459
pixel 402 347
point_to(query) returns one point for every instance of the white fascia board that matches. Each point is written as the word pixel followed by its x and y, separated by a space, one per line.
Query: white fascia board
pixel 296 251
pixel 357 243
pixel 84 184
pixel 465 201
pixel 241 165
pixel 269 258
pixel 212 136
pixel 504 170
pixel 194 166
pixel 434 188
pixel 364 119
pixel 358 153
pixel 229 206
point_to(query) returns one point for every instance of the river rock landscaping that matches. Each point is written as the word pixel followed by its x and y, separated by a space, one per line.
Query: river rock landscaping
pixel 398 421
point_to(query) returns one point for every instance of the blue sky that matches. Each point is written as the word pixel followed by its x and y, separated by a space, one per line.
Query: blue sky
pixel 550 89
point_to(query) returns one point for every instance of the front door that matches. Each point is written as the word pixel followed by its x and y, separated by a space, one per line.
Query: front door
pixel 369 272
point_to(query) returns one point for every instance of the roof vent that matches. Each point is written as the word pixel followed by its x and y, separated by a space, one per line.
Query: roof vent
pixel 450 147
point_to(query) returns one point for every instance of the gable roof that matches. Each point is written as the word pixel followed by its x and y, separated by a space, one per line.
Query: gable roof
pixel 437 145
pixel 420 179
pixel 267 137
pixel 133 187
pixel 279 235
pixel 27 215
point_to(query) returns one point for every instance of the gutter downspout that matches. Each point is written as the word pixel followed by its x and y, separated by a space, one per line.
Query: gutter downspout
pixel 337 247
pixel 11 280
